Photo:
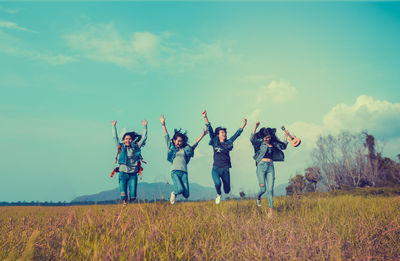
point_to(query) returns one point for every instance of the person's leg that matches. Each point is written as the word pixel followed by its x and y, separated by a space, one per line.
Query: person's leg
pixel 123 185
pixel 132 184
pixel 270 174
pixel 261 168
pixel 185 185
pixel 226 180
pixel 176 176
pixel 216 178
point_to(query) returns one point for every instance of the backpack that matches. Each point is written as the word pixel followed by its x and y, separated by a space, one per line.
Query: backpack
pixel 141 161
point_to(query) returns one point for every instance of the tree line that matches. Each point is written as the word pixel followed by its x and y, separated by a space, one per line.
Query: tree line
pixel 346 161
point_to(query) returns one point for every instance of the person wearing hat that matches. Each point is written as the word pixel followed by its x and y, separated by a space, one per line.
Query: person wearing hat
pixel 129 157
pixel 222 160
pixel 268 148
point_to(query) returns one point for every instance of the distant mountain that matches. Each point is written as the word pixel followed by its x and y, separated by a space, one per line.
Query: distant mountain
pixel 152 191
pixel 157 191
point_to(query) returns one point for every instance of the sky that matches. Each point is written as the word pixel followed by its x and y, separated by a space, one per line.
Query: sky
pixel 68 69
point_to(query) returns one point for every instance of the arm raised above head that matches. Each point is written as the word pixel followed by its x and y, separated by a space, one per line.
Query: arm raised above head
pixel 167 139
pixel 114 132
pixel 144 135
pixel 204 133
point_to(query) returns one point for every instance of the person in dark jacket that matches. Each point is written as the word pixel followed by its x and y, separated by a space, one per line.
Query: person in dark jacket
pixel 222 160
pixel 268 148
pixel 179 154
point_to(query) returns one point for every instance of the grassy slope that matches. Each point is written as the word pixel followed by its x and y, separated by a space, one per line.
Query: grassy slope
pixel 313 227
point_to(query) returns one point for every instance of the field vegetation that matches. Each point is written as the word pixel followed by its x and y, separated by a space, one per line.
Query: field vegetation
pixel 318 226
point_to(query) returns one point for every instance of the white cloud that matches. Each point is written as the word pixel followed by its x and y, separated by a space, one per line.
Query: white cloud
pixel 277 91
pixel 17 47
pixel 104 42
pixel 14 26
pixel 10 11
pixel 379 118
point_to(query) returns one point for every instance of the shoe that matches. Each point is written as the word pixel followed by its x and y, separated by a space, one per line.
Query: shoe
pixel 172 198
pixel 258 202
pixel 124 202
pixel 218 199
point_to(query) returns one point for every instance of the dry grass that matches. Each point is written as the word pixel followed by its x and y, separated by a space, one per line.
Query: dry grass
pixel 317 228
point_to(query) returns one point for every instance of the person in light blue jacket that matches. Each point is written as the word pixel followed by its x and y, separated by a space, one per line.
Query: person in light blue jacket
pixel 268 148
pixel 179 154
pixel 128 158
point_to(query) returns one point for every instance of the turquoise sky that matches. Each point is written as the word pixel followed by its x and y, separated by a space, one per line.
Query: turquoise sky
pixel 68 69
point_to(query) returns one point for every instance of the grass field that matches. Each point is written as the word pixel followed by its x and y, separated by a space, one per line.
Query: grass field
pixel 317 227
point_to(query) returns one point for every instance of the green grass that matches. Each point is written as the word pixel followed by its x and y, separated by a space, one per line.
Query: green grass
pixel 309 227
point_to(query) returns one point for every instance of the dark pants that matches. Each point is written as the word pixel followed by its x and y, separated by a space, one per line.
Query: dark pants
pixel 219 174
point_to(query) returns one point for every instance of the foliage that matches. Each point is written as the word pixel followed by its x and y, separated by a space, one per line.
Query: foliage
pixel 316 227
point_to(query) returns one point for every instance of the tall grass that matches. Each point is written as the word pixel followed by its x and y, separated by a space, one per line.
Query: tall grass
pixel 335 227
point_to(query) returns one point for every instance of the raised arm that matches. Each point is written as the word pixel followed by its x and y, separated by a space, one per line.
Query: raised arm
pixel 238 132
pixel 114 132
pixel 167 139
pixel 208 124
pixel 144 135
pixel 204 133
pixel 252 136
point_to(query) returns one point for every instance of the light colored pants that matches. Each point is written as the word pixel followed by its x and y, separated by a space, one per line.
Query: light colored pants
pixel 181 182
pixel 266 174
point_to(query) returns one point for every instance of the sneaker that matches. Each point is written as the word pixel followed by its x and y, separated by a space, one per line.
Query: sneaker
pixel 218 199
pixel 124 202
pixel 258 202
pixel 172 199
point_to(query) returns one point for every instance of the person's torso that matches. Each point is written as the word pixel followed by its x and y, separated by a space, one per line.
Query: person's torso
pixel 222 158
pixel 132 159
pixel 179 162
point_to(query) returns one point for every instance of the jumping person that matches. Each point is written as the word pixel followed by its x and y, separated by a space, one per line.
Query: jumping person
pixel 129 160
pixel 268 148
pixel 222 161
pixel 179 154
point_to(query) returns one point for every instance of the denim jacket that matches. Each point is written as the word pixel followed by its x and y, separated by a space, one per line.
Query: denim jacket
pixel 260 148
pixel 172 150
pixel 122 157
pixel 214 140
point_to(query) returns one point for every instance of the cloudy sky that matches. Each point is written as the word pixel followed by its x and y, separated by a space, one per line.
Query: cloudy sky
pixel 68 69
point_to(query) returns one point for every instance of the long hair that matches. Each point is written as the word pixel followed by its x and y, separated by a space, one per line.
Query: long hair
pixel 267 131
pixel 183 135
pixel 135 136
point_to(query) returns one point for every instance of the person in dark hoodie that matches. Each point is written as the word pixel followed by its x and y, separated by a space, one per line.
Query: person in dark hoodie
pixel 268 148
pixel 129 160
pixel 179 154
pixel 222 160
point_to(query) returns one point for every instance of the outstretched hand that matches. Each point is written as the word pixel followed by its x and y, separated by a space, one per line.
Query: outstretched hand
pixel 113 123
pixel 144 122
pixel 204 113
pixel 257 124
pixel 205 131
pixel 244 123
pixel 162 119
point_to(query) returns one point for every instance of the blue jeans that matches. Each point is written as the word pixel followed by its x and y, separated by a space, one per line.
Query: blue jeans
pixel 128 180
pixel 181 182
pixel 266 172
pixel 219 174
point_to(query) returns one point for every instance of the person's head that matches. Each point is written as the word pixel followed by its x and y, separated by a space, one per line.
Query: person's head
pixel 180 138
pixel 221 133
pixel 130 137
pixel 267 134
